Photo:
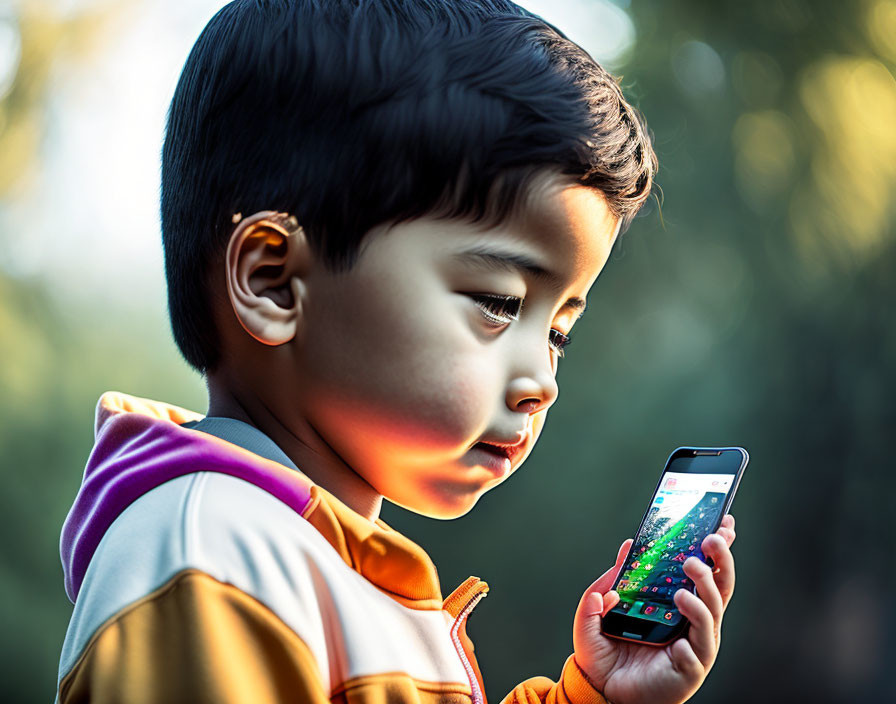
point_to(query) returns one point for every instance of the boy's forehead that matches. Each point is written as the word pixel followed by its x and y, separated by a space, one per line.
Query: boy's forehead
pixel 561 210
pixel 561 226
pixel 561 233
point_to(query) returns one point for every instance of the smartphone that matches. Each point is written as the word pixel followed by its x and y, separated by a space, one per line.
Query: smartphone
pixel 694 492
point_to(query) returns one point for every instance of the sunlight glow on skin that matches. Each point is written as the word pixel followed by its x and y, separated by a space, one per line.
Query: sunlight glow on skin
pixel 379 381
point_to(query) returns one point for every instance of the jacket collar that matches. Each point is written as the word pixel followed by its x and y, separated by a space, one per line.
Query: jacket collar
pixel 141 443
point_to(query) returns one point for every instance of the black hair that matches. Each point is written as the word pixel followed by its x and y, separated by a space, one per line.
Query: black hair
pixel 349 114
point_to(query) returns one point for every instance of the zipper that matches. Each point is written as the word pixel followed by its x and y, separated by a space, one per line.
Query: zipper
pixel 478 698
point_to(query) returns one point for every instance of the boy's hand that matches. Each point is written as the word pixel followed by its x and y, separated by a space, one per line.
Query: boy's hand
pixel 631 673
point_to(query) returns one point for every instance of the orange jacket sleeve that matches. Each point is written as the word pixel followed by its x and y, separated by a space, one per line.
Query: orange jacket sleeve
pixel 194 639
pixel 573 687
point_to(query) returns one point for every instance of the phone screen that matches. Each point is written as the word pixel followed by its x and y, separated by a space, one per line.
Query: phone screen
pixel 685 509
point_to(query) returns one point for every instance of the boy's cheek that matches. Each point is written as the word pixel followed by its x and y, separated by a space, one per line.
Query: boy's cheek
pixel 537 425
pixel 426 426
pixel 444 495
pixel 404 404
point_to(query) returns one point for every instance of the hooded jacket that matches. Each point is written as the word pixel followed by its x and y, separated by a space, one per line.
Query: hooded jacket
pixel 204 566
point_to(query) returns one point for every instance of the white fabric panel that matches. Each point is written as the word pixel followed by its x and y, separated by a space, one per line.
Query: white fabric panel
pixel 241 535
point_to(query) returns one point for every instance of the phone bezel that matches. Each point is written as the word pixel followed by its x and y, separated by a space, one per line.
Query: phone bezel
pixel 640 630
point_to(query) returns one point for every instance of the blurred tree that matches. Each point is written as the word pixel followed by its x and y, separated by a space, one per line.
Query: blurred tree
pixel 37 40
pixel 52 364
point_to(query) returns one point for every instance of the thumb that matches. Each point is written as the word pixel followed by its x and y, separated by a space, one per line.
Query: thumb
pixel 597 600
pixel 605 581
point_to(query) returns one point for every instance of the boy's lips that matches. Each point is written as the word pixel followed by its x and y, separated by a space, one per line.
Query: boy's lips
pixel 509 449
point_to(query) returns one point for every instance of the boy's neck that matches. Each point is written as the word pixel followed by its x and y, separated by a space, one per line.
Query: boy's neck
pixel 310 453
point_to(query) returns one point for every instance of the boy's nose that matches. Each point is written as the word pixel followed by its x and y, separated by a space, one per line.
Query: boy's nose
pixel 532 393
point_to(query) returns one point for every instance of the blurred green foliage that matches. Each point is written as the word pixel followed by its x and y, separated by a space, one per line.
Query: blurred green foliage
pixel 756 311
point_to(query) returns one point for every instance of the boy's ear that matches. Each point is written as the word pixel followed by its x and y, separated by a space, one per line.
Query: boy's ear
pixel 267 262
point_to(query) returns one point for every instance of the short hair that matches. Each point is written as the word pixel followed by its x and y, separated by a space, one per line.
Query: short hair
pixel 351 114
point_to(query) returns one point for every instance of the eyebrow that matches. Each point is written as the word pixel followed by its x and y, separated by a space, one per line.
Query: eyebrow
pixel 511 261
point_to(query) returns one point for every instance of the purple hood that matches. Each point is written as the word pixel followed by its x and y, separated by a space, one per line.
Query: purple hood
pixel 139 445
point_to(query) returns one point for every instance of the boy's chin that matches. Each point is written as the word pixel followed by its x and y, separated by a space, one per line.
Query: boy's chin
pixel 444 510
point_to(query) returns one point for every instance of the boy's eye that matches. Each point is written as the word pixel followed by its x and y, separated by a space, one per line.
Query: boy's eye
pixel 502 310
pixel 559 342
pixel 499 310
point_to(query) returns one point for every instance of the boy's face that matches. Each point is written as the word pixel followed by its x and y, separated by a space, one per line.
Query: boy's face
pixel 404 363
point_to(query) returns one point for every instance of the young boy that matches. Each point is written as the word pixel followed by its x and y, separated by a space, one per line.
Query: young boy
pixel 381 220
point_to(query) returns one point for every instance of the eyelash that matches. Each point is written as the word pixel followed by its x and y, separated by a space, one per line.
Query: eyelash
pixel 505 309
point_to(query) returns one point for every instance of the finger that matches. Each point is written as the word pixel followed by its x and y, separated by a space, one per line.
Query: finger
pixel 716 548
pixel 620 558
pixel 603 583
pixel 593 603
pixel 703 578
pixel 728 534
pixel 611 598
pixel 623 552
pixel 700 635
pixel 685 661
pixel 728 521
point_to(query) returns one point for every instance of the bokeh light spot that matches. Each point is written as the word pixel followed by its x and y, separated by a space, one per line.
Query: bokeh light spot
pixel 880 23
pixel 852 102
pixel 698 68
pixel 763 155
